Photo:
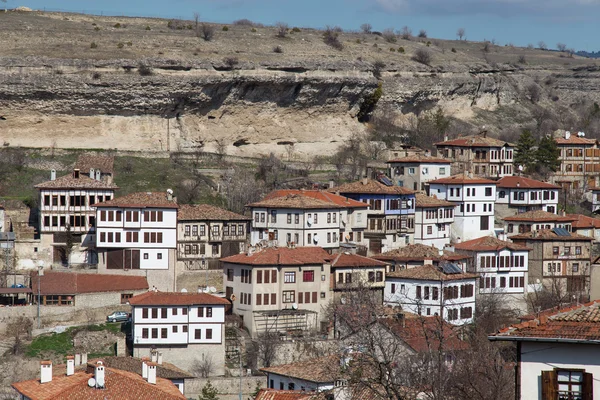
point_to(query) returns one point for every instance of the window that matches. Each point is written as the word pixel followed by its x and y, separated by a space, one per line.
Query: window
pixel 348 277
pixel 198 334
pixel 175 329
pixel 159 256
pixel 155 313
pixel 273 216
pixel 145 333
pixel 555 250
pixel 200 312
pixel 184 329
pixel 567 384
pixel 484 223
pixel 288 296
pixel 154 333
pixel 308 276
pixel 429 229
pixel 209 334
pixel 567 250
pixel 289 277
pixel 289 218
pixel 371 276
pixel 442 171
pixel 163 333
pixel 144 313
pixel 411 171
pixel 578 250
pixel 575 267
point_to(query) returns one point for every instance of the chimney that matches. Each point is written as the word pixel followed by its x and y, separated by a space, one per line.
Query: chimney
pixel 365 181
pixel 145 361
pixel 445 138
pixel 52 174
pixel 76 173
pixel 484 133
pixel 99 374
pixel 154 355
pixel 84 358
pixel 169 194
pixel 331 184
pixel 45 371
pixel 159 358
pixel 98 175
pixel 152 373
pixel 70 365
pixel 77 359
pixel 92 174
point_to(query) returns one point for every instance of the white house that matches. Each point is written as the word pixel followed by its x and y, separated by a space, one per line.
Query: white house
pixel 433 221
pixel 137 234
pixel 433 290
pixel 595 199
pixel 532 221
pixel 308 218
pixel 474 198
pixel 313 375
pixel 586 226
pixel 558 353
pixel 520 194
pixel 416 171
pixel 185 327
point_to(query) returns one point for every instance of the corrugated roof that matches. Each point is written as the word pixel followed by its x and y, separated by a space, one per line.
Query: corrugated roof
pixel 140 200
pixel 52 283
pixel 87 161
pixel 281 256
pixel 429 273
pixel 539 216
pixel 424 201
pixel 475 141
pixel 319 195
pixel 206 212
pixel 514 182
pixel 156 298
pixel 462 179
pixel 70 182
pixel 355 261
pixel 489 243
pixel 369 186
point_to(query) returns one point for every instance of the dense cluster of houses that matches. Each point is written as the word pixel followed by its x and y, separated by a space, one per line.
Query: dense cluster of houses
pixel 425 239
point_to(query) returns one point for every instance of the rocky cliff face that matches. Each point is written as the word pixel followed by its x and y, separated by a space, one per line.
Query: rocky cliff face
pixel 237 92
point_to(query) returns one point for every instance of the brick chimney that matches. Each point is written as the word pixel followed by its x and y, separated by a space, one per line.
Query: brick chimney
pixel 45 371
pixel 70 365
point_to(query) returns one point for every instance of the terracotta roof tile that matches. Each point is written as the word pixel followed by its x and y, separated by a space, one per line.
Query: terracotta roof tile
pixel 429 273
pixel 575 140
pixel 294 201
pixel 132 364
pixel 272 394
pixel 547 234
pixel 539 216
pixel 70 182
pixel 513 182
pixel 475 141
pixel 319 195
pixel 155 298
pixel 463 179
pixel 73 283
pixel 420 159
pixel 489 243
pixel 140 200
pixel 355 260
pixel 206 212
pixel 118 385
pixel 370 187
pixel 87 161
pixel 419 252
pixel 281 256
pixel 318 370
pixel 582 221
pixel 424 201
pixel 423 334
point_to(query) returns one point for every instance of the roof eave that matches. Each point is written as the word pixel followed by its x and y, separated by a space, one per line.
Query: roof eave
pixel 538 339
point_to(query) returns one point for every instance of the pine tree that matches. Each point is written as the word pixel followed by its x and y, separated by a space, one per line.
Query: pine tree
pixel 548 154
pixel 209 392
pixel 525 153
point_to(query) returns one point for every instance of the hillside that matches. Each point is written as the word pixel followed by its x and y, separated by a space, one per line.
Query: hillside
pixel 74 81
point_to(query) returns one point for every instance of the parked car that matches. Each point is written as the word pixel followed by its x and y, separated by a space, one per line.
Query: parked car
pixel 118 316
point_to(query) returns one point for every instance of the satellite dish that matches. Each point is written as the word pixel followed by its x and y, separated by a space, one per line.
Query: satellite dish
pixel 409 203
pixel 294 306
pixel 316 239
pixel 520 168
pixel 582 134
pixel 232 297
pixel 184 290
pixel 92 382
pixel 212 289
pixel 309 221
pixel 170 191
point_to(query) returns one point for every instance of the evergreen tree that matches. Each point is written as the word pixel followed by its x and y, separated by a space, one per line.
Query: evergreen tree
pixel 209 392
pixel 548 154
pixel 525 153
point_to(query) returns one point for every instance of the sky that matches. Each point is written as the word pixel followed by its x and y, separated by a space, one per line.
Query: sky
pixel 575 23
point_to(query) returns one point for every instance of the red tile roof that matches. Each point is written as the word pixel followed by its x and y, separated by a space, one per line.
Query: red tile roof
pixel 420 159
pixel 424 201
pixel 575 323
pixel 370 186
pixel 319 370
pixel 272 394
pixel 539 216
pixel 547 234
pixel 294 201
pixel 281 256
pixel 489 243
pixel 419 252
pixel 429 273
pixel 206 212
pixel 69 182
pixel 319 195
pixel 73 283
pixel 155 298
pixel 118 385
pixel 479 140
pixel 140 200
pixel 574 139
pixel 423 334
pixel 355 261
pixel 463 179
pixel 513 182
pixel 87 161
pixel 582 221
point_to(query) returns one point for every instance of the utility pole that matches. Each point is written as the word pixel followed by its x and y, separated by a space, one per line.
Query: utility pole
pixel 240 353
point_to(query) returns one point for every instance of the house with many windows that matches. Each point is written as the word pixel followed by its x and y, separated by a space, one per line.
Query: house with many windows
pixel 416 171
pixel 586 226
pixel 308 218
pixel 520 194
pixel 532 221
pixel 479 154
pixel 557 353
pixel 416 255
pixel 351 272
pixel 137 235
pixel 579 163
pixel 433 220
pixel 184 327
pixel 206 233
pixel 279 289
pixel 391 215
pixel 67 209
pixel 474 199
pixel 429 290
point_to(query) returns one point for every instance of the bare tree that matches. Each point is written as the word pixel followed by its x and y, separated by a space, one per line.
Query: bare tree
pixel 203 367
pixel 264 348
pixel 331 37
pixel 533 92
pixel 542 45
pixel 241 188
pixel 366 28
pixel 389 35
pixel 208 32
pixel 18 328
pixel 406 33
pixel 197 23
pixel 460 33
pixel 561 46
pixel 423 33
pixel 282 29
pixel 422 56
pixel 377 67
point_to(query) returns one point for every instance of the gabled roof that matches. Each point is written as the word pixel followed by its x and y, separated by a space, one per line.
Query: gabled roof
pixel 424 201
pixel 548 234
pixel 419 252
pixel 119 384
pixel 574 139
pixel 370 186
pixel 582 221
pixel 281 256
pixel 580 323
pixel 156 298
pixel 318 195
pixel 463 179
pixel 294 201
pixel 318 370
pixel 53 283
pixel 480 140
pixel 272 394
pixel 520 182
pixel 419 159
pixel 85 162
pixel 206 212
pixel 140 200
pixel 423 334
pixel 70 182
pixel 539 216
pixel 489 243
pixel 355 261
pixel 429 273
pixel 132 364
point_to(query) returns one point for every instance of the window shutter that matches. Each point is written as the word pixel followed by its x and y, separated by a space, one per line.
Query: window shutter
pixel 588 386
pixel 549 385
